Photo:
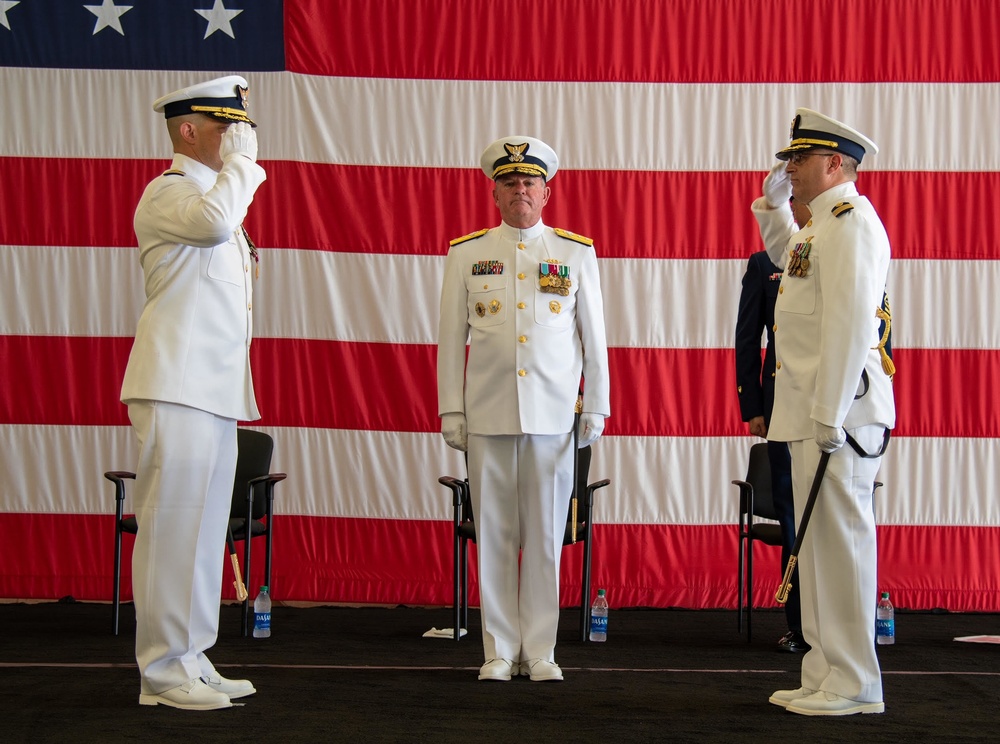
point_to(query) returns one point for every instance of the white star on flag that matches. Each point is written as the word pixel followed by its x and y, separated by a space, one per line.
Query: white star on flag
pixel 108 16
pixel 6 5
pixel 219 19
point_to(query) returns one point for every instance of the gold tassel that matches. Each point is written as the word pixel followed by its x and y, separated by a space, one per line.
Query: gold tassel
pixel 887 365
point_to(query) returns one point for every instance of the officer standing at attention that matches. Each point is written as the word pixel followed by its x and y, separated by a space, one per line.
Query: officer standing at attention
pixel 831 387
pixel 755 386
pixel 186 385
pixel 527 299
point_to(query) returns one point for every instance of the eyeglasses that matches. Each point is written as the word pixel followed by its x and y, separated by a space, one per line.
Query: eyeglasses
pixel 800 157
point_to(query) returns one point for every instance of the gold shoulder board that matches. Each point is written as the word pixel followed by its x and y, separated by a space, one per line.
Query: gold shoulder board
pixel 470 236
pixel 173 172
pixel 572 236
pixel 841 208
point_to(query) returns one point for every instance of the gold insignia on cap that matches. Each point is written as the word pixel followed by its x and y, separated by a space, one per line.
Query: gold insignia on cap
pixel 515 153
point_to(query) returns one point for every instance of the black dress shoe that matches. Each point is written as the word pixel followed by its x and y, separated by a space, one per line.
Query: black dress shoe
pixel 793 643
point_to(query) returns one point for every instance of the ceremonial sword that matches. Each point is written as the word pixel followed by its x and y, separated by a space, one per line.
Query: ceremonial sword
pixel 786 583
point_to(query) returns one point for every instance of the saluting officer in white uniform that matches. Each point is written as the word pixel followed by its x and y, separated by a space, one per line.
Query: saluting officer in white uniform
pixel 832 384
pixel 527 299
pixel 186 385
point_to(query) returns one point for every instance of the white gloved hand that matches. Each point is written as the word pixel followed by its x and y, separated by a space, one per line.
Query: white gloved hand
pixel 777 186
pixel 239 139
pixel 591 426
pixel 455 431
pixel 828 438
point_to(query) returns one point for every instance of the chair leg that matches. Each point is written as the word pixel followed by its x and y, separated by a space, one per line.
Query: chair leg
pixel 739 585
pixel 459 563
pixel 585 590
pixel 749 584
pixel 267 559
pixel 245 614
pixel 116 591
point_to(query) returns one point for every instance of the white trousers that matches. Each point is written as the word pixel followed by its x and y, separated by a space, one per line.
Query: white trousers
pixel 183 493
pixel 838 568
pixel 520 488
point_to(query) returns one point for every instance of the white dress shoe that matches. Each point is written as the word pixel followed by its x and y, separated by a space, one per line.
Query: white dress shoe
pixel 232 688
pixel 496 669
pixel 784 697
pixel 540 670
pixel 192 695
pixel 830 704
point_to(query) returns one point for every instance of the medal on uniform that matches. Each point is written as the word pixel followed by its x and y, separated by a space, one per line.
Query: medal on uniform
pixel 253 250
pixel 486 268
pixel 554 278
pixel 798 260
pixel 480 310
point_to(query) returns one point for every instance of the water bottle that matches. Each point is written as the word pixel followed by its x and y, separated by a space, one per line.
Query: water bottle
pixel 599 618
pixel 262 614
pixel 885 621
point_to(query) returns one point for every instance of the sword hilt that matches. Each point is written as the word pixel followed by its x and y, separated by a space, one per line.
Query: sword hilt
pixel 241 589
pixel 786 582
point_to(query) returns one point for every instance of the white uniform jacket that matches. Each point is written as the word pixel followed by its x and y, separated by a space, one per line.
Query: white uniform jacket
pixel 826 329
pixel 528 347
pixel 192 344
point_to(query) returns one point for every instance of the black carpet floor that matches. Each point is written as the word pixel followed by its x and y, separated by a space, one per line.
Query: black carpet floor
pixel 332 674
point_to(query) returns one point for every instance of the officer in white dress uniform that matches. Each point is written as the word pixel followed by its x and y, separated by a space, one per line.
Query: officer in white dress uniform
pixel 186 385
pixel 831 387
pixel 527 298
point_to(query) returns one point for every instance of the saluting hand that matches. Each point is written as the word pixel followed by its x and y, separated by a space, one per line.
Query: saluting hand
pixel 777 186
pixel 239 139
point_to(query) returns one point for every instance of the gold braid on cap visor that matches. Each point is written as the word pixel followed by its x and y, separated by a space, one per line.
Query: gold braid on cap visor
pixel 808 142
pixel 529 168
pixel 221 112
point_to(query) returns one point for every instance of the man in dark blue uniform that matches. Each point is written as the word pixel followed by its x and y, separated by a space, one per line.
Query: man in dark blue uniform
pixel 755 385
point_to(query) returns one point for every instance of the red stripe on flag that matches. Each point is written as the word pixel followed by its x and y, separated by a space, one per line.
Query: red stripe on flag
pixel 670 41
pixel 391 387
pixel 656 214
pixel 384 561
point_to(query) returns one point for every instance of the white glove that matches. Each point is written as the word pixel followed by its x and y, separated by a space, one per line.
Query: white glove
pixel 777 186
pixel 591 426
pixel 239 139
pixel 455 431
pixel 828 438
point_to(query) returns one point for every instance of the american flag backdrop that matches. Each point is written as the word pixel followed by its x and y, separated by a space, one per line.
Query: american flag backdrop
pixel 372 115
